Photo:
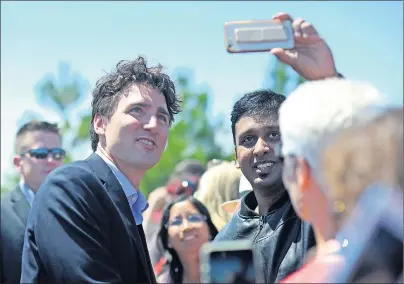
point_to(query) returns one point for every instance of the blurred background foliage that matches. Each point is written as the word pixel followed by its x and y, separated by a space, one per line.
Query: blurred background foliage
pixel 193 134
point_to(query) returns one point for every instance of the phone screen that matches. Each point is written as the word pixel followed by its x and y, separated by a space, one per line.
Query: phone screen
pixel 232 267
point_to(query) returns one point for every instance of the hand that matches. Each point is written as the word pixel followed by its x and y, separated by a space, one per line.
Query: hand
pixel 311 57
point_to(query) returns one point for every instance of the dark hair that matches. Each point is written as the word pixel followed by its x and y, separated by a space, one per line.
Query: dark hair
pixel 110 88
pixel 258 104
pixel 176 268
pixel 34 125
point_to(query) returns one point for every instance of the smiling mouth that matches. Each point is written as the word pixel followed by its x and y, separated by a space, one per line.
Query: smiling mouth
pixel 188 237
pixel 146 142
pixel 263 168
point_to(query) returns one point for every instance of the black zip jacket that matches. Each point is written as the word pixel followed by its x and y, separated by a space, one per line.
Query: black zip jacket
pixel 280 238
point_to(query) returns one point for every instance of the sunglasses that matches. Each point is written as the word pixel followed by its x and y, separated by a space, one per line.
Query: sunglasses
pixel 43 153
pixel 191 218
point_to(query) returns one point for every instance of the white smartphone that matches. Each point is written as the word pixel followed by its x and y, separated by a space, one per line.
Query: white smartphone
pixel 258 35
pixel 372 238
pixel 227 262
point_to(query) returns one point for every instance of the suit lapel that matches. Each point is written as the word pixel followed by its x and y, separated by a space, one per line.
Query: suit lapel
pixel 118 196
pixel 143 237
pixel 20 205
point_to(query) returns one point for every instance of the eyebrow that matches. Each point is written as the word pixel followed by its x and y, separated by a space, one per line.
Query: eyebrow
pixel 254 130
pixel 163 111
pixel 146 105
pixel 247 132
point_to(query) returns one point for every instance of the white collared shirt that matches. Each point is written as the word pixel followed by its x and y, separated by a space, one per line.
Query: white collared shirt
pixel 136 199
pixel 28 193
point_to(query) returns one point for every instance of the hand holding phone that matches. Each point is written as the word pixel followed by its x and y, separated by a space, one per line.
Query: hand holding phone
pixel 295 42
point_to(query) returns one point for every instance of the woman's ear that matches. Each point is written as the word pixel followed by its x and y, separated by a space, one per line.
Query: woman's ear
pixel 303 174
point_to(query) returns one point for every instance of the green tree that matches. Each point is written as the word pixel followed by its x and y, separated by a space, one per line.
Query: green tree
pixel 11 180
pixel 61 94
pixel 281 78
pixel 4 189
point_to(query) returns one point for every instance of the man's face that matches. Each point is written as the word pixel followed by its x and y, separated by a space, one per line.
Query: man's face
pixel 256 140
pixel 137 132
pixel 33 169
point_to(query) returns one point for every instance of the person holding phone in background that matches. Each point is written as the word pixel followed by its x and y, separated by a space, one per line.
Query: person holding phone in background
pixel 266 216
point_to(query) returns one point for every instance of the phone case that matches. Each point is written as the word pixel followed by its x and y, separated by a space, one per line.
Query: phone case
pixel 258 35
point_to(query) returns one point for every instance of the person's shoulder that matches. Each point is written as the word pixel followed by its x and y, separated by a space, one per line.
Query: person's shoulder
pixel 73 179
pixel 6 208
pixel 222 235
pixel 73 172
pixel 229 231
pixel 77 168
pixel 74 185
pixel 317 269
pixel 7 197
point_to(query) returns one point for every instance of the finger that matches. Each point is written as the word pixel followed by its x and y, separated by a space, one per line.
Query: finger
pixel 283 55
pixel 282 16
pixel 276 51
pixel 297 27
pixel 307 29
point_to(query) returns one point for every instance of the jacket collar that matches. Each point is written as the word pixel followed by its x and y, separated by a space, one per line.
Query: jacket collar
pixel 249 203
pixel 21 206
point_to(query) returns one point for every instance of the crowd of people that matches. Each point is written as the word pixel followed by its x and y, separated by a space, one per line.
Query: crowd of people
pixel 302 164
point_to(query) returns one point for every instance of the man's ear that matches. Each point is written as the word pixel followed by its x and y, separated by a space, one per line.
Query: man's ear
pixel 235 153
pixel 303 173
pixel 17 162
pixel 99 123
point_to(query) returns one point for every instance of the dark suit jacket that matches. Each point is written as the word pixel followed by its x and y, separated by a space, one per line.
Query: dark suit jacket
pixel 81 229
pixel 14 216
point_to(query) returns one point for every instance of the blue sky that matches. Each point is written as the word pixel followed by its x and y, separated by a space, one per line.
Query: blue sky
pixel 366 39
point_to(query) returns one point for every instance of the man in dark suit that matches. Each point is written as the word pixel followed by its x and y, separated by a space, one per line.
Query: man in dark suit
pixel 38 151
pixel 85 224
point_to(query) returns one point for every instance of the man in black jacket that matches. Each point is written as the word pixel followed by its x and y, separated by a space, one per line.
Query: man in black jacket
pixel 85 224
pixel 38 152
pixel 266 216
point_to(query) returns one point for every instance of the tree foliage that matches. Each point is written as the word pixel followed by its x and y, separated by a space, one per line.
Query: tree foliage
pixel 281 78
